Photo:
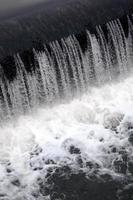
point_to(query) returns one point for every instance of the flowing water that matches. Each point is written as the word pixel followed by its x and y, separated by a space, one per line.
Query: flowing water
pixel 64 71
pixel 71 98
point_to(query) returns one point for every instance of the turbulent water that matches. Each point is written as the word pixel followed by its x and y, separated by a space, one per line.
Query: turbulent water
pixel 86 123
pixel 96 125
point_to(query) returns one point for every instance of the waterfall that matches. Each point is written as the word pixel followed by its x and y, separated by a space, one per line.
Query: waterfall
pixel 66 121
pixel 65 71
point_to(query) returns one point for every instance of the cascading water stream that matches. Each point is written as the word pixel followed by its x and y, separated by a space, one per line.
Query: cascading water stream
pixel 72 111
pixel 64 71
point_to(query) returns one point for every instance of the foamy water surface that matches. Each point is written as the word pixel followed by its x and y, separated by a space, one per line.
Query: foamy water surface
pixel 94 124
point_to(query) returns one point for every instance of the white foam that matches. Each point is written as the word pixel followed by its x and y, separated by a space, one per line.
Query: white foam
pixel 81 123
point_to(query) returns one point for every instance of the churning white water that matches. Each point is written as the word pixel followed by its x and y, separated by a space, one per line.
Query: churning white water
pixel 85 123
pixel 95 122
